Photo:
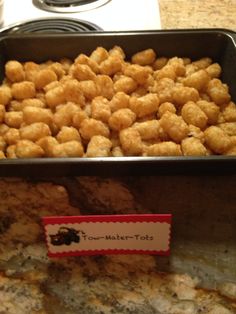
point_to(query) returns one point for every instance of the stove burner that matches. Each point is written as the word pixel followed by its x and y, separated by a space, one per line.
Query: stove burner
pixel 51 25
pixel 65 3
pixel 68 6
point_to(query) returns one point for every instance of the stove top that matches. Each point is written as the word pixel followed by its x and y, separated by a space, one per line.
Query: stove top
pixel 68 6
pixel 51 25
pixel 107 15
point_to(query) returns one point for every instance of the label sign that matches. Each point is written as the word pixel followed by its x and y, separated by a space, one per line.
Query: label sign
pixel 108 234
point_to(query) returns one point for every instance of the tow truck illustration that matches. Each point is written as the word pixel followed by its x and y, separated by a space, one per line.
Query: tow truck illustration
pixel 66 236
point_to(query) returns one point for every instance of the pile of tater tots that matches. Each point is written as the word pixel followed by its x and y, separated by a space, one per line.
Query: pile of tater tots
pixel 104 104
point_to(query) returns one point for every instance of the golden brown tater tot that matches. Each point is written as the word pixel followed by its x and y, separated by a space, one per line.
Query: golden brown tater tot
pixel 217 140
pixel 14 71
pixel 164 149
pixel 23 90
pixel 99 146
pixel 131 142
pixel 28 149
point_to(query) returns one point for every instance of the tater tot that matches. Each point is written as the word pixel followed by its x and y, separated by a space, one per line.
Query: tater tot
pixel 131 142
pixel 202 63
pixel 32 102
pixel 192 114
pixel 2 113
pixel 23 90
pixel 11 151
pixel 119 101
pixel 144 105
pixel 30 69
pixel 196 132
pixel 125 84
pixel 140 91
pixel 66 64
pixel 144 57
pixel 51 85
pixel 83 72
pixel 2 155
pixel 5 95
pixel 89 89
pixel 233 140
pixel 190 69
pixel 34 131
pixel 117 152
pixel 14 71
pixel 221 118
pixel 164 149
pixel 186 61
pixel 83 59
pixel 114 137
pixel 55 97
pixel 210 109
pixel 99 146
pixel 178 65
pixel 198 80
pixel 73 93
pixel 139 73
pixel 164 107
pixel 231 151
pixel 117 51
pixel 78 117
pixel 111 65
pixel 87 109
pixel 12 136
pixel 163 88
pixel 13 119
pixel 3 143
pixel 183 94
pixel 228 127
pixel 214 70
pixel 174 126
pixel 36 114
pixel 67 134
pixel 3 128
pixel 64 115
pixel 150 130
pixel 28 149
pixel 44 77
pixel 160 63
pixel 192 146
pixel 167 71
pixel 58 69
pixel 105 86
pixel 68 149
pixel 47 143
pixel 217 140
pixel 218 92
pixel 229 112
pixel 91 127
pixel 100 109
pixel 99 54
pixel 121 119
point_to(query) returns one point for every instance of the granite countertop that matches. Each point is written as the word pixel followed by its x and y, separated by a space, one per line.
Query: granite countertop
pixel 198 14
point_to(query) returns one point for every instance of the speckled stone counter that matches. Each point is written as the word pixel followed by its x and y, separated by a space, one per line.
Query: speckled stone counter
pixel 198 14
pixel 202 246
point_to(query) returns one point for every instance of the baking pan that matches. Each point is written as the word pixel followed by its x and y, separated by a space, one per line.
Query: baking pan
pixel 218 44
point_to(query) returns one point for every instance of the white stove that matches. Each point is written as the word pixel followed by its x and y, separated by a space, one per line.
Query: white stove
pixel 107 15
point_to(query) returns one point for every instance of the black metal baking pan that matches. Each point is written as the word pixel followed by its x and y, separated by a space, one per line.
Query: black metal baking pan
pixel 219 44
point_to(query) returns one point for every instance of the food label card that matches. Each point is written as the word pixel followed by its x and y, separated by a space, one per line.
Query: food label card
pixel 109 234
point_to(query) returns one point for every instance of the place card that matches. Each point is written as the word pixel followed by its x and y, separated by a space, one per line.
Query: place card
pixel 108 234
